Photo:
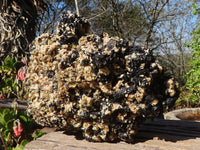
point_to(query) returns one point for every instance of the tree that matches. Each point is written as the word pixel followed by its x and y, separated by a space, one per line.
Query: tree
pixel 173 53
pixel 193 80
pixel 118 18
pixel 48 19
pixel 153 11
pixel 139 21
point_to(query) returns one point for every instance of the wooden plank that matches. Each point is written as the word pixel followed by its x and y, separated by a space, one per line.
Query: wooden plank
pixel 152 135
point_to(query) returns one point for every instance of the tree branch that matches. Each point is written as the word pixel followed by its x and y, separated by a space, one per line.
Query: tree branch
pixel 77 9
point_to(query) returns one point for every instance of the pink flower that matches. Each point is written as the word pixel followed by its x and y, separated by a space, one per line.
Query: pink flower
pixel 17 128
pixel 17 133
pixel 2 97
pixel 20 129
pixel 24 60
pixel 21 74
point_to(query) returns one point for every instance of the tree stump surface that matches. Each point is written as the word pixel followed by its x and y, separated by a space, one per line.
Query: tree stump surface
pixel 152 135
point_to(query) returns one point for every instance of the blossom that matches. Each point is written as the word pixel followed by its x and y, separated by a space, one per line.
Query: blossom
pixel 21 74
pixel 24 60
pixel 17 133
pixel 2 97
pixel 20 129
pixel 17 128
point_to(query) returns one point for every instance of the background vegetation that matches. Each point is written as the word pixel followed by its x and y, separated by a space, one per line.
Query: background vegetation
pixel 164 26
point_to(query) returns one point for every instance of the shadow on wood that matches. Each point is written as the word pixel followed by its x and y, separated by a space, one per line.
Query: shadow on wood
pixel 169 130
pixel 152 135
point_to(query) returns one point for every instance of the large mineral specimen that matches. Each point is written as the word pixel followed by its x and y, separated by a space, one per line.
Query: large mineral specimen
pixel 98 85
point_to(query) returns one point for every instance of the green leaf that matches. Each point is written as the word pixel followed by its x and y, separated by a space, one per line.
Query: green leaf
pixel 24 142
pixel 21 146
pixel 6 135
pixel 38 134
pixel 9 63
pixel 193 80
pixel 2 121
pixel 9 124
pixel 9 82
pixel 23 118
pixel 14 86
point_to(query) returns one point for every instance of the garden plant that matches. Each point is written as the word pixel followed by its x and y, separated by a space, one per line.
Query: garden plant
pixel 15 126
pixel 193 80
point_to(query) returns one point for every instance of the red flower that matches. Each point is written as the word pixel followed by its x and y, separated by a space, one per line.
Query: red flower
pixel 2 97
pixel 17 133
pixel 17 128
pixel 20 129
pixel 24 60
pixel 21 74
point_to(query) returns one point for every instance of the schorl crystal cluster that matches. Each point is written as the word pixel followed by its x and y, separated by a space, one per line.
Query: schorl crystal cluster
pixel 98 85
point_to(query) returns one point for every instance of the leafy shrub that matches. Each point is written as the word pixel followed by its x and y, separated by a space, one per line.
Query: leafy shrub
pixel 16 127
pixel 193 80
pixel 8 82
pixel 185 100
pixel 7 119
pixel 9 139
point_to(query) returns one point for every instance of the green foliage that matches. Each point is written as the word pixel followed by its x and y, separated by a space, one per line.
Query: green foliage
pixel 8 82
pixel 20 147
pixel 7 117
pixel 196 9
pixel 38 134
pixel 10 88
pixel 193 80
pixel 185 100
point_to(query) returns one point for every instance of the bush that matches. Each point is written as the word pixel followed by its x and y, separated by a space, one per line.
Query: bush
pixel 193 80
pixel 185 101
pixel 16 127
pixel 10 122
pixel 8 82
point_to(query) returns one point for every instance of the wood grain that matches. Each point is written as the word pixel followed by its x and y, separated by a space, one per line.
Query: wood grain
pixel 152 135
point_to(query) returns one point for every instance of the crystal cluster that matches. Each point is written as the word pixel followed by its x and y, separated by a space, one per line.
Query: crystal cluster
pixel 98 85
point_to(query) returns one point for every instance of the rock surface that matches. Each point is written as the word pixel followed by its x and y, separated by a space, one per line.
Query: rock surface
pixel 98 85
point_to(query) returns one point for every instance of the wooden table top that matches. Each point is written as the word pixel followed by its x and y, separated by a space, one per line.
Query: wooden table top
pixel 152 135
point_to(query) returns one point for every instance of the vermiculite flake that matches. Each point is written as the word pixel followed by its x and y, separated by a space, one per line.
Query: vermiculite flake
pixel 98 85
